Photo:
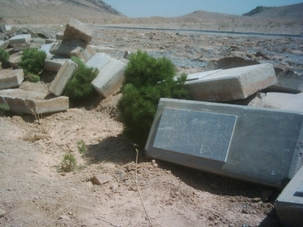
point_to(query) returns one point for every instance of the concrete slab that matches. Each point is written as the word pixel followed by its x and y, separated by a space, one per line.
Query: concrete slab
pixel 21 101
pixel 54 64
pixel 99 61
pixel 252 144
pixel 63 76
pixel 75 48
pixel 284 101
pixel 46 48
pixel 75 29
pixel 110 78
pixel 3 44
pixel 17 39
pixel 20 46
pixel 11 78
pixel 230 84
pixel 289 204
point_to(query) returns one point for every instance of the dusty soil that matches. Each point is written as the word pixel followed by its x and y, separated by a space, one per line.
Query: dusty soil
pixel 34 192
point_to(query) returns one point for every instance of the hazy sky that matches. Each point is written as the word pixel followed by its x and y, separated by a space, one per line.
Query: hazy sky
pixel 172 8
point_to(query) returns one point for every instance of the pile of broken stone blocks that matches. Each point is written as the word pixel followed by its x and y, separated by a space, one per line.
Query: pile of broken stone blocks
pixel 75 41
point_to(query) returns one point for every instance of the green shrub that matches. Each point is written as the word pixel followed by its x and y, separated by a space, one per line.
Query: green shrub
pixel 79 88
pixel 32 62
pixel 31 77
pixel 147 79
pixel 4 59
pixel 4 107
pixel 82 148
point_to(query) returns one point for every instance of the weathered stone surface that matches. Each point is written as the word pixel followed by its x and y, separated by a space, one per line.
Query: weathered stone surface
pixel 63 76
pixel 288 81
pixel 4 44
pixel 75 29
pixel 17 39
pixel 284 101
pixel 54 64
pixel 99 61
pixel 75 48
pixel 46 48
pixel 2 28
pixel 110 78
pixel 11 78
pixel 289 204
pixel 231 84
pixel 229 140
pixel 20 46
pixel 29 102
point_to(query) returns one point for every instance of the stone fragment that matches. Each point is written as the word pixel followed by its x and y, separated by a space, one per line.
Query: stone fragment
pixel 101 179
pixel 289 204
pixel 2 28
pixel 75 48
pixel 253 144
pixel 63 76
pixel 75 29
pixel 59 35
pixel 17 39
pixel 54 64
pixel 231 84
pixel 99 61
pixel 3 44
pixel 110 78
pixel 20 46
pixel 11 78
pixel 20 101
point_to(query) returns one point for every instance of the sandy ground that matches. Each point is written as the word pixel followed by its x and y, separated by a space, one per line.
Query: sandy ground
pixel 34 192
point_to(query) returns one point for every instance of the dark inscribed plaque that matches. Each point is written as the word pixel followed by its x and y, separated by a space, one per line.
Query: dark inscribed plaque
pixel 197 133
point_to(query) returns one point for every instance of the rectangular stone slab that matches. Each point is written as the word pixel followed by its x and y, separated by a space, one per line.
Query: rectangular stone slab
pixel 252 144
pixel 289 204
pixel 230 84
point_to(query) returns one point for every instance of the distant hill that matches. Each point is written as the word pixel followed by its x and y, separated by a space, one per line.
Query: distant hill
pixel 270 20
pixel 286 12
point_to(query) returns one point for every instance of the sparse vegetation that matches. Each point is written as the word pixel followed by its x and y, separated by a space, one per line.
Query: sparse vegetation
pixel 32 62
pixel 69 162
pixel 147 79
pixel 82 148
pixel 3 108
pixel 79 88
pixel 4 59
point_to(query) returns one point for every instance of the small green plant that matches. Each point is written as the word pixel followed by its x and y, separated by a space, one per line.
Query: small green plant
pixel 79 88
pixel 69 162
pixel 3 108
pixel 4 59
pixel 147 79
pixel 32 62
pixel 82 148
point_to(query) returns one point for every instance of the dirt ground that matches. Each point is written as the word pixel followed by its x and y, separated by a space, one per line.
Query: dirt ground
pixel 108 188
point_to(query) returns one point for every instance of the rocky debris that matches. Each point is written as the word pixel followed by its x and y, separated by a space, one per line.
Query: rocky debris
pixel 75 29
pixel 11 78
pixel 2 213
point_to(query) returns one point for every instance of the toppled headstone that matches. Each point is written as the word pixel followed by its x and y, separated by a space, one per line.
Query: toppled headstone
pixel 63 76
pixel 110 78
pixel 75 48
pixel 231 84
pixel 99 61
pixel 253 144
pixel 18 39
pixel 11 78
pixel 289 204
pixel 20 101
pixel 284 101
pixel 75 29
pixel 54 64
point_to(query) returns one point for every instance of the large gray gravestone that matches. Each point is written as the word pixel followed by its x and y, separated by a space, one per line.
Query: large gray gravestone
pixel 257 145
pixel 289 204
